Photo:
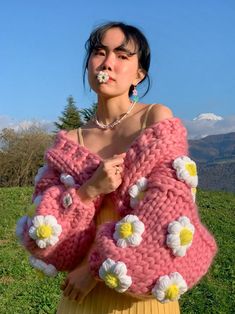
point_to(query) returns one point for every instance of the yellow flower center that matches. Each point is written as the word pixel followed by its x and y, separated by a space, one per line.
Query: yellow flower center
pixel 172 292
pixel 44 231
pixel 186 236
pixel 125 230
pixel 191 168
pixel 111 280
pixel 140 195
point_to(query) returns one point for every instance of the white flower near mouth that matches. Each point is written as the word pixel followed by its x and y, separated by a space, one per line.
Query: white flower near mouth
pixel 45 230
pixel 102 77
pixel 46 269
pixel 128 231
pixel 67 200
pixel 114 275
pixel 186 170
pixel 20 227
pixel 137 191
pixel 40 173
pixel 67 179
pixel 180 235
pixel 169 288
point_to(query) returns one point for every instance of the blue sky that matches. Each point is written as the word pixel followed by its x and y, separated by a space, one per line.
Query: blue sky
pixel 42 50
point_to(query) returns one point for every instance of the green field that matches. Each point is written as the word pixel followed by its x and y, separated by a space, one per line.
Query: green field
pixel 21 290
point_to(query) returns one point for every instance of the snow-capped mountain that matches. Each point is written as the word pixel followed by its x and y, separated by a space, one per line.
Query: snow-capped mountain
pixel 206 124
pixel 208 116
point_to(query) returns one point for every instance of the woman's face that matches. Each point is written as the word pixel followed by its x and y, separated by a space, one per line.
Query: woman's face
pixel 118 60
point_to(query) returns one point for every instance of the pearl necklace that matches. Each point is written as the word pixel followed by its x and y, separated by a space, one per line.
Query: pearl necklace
pixel 112 124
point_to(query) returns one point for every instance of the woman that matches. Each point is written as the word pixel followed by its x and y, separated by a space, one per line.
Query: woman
pixel 127 170
pixel 127 64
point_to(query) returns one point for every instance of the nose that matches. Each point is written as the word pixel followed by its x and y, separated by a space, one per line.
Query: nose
pixel 108 62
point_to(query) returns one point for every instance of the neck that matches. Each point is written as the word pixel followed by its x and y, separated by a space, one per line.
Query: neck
pixel 110 109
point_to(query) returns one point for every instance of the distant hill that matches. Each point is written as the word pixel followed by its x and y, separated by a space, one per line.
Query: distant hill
pixel 215 158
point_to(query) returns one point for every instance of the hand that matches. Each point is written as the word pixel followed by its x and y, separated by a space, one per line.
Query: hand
pixel 78 283
pixel 106 179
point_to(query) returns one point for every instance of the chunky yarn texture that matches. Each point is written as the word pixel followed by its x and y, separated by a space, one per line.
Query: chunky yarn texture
pixel 164 200
pixel 77 219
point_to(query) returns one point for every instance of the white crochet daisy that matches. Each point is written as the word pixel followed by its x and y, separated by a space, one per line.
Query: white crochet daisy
pixel 137 191
pixel 21 223
pixel 180 235
pixel 102 77
pixel 169 288
pixel 114 275
pixel 40 173
pixel 46 269
pixel 67 200
pixel 128 231
pixel 67 179
pixel 186 170
pixel 45 230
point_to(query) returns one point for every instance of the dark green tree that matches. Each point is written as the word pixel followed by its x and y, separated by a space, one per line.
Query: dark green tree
pixel 70 118
pixel 88 113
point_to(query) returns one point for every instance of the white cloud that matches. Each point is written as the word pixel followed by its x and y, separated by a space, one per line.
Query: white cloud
pixel 7 122
pixel 202 127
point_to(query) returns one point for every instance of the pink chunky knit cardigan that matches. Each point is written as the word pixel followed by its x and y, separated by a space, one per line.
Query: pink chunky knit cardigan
pixel 166 199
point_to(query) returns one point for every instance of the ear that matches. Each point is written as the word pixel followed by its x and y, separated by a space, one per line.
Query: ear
pixel 139 77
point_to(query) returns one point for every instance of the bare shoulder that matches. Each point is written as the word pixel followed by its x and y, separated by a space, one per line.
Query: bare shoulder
pixel 72 135
pixel 157 113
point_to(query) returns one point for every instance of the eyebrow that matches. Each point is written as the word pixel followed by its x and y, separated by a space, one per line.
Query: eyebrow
pixel 117 49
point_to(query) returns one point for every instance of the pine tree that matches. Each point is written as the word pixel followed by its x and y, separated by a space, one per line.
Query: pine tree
pixel 88 113
pixel 70 118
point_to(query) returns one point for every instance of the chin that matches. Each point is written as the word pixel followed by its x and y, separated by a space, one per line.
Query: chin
pixel 104 90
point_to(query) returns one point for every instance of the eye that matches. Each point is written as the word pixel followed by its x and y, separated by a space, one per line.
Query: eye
pixel 123 57
pixel 99 52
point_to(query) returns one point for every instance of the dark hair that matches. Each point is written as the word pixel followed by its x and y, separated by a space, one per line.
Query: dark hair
pixel 131 33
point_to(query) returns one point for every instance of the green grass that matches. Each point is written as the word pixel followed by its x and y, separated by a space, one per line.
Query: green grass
pixel 21 291
pixel 216 291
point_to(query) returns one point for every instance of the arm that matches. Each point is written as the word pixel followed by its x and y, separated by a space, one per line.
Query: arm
pixel 161 244
pixel 62 228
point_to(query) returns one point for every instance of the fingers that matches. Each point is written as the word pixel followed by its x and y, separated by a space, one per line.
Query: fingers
pixel 74 295
pixel 64 284
pixel 68 290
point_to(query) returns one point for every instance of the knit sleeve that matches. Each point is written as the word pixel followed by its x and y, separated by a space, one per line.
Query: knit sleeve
pixel 159 247
pixel 62 227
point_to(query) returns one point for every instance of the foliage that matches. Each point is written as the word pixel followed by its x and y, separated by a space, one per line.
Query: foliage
pixel 22 292
pixel 22 152
pixel 88 113
pixel 21 155
pixel 70 118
